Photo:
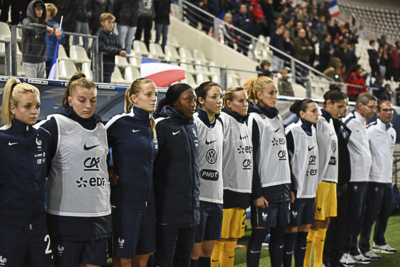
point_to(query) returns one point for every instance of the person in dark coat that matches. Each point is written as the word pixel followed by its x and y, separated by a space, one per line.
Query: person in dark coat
pixel 346 55
pixel 176 178
pixel 126 13
pixel 244 22
pixel 162 9
pixel 109 45
pixel 325 52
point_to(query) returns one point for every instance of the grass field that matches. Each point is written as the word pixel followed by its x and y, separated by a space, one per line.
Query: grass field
pixel 392 238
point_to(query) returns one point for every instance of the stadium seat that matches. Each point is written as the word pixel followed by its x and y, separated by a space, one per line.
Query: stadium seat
pixel 172 41
pixel 156 51
pixel 202 69
pixel 66 69
pixel 121 62
pixel 189 68
pixel 190 80
pixel 199 56
pixel 5 31
pixel 171 53
pixel 201 78
pixel 117 78
pixel 131 74
pixel 186 54
pixel 62 55
pixel 86 70
pixel 78 54
pixel 216 79
pixel 140 48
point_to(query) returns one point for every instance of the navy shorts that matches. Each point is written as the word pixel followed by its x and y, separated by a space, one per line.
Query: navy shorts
pixel 15 242
pixel 302 211
pixel 275 215
pixel 133 231
pixel 72 253
pixel 210 222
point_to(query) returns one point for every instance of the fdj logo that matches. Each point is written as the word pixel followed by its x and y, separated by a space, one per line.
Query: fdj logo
pixel 93 181
pixel 312 159
pixel 247 164
pixel 91 164
pixel 211 156
pixel 278 141
pixel 312 172
pixel 245 149
pixel 282 155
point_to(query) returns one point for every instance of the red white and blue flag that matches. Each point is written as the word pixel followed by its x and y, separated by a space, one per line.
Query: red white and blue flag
pixel 162 74
pixel 53 74
pixel 333 9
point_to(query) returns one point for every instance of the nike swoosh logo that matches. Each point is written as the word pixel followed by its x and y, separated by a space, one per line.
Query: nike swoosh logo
pixel 231 257
pixel 304 247
pixel 214 260
pixel 243 137
pixel 210 142
pixel 280 246
pixel 68 132
pixel 89 147
pixel 175 133
pixel 135 131
pixel 276 130
pixel 252 251
pixel 11 144
pixel 310 148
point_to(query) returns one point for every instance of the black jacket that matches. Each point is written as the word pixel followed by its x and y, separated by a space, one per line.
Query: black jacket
pixel 162 9
pixel 176 180
pixel 23 163
pixel 126 12
pixel 110 47
pixel 34 41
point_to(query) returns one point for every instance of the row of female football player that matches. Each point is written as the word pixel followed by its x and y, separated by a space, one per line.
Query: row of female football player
pixel 180 182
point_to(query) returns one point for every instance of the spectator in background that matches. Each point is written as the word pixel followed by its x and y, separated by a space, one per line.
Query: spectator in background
pixel 334 69
pixel 83 15
pixel 383 58
pixel 387 95
pixel 51 41
pixel 388 62
pixel 108 44
pixel 162 9
pixel 126 12
pixel 98 7
pixel 288 44
pixel 382 40
pixel 231 6
pixel 276 41
pixel 244 22
pixel 321 28
pixel 66 9
pixel 394 66
pixel 302 52
pixel 227 31
pixel 378 89
pixel 299 26
pixel 145 21
pixel 284 86
pixel 355 76
pixel 260 24
pixel 16 8
pixel 346 55
pixel 325 52
pixel 34 41
pixel 264 68
pixel 373 59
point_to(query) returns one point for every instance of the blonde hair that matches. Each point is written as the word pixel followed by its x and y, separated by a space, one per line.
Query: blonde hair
pixel 11 96
pixel 52 8
pixel 134 89
pixel 107 16
pixel 229 94
pixel 253 86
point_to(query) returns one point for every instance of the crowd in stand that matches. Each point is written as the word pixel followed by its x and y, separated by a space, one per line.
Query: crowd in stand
pixel 293 29
pixel 296 30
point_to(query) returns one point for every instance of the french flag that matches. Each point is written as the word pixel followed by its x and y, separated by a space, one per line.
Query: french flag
pixel 162 74
pixel 53 74
pixel 333 9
